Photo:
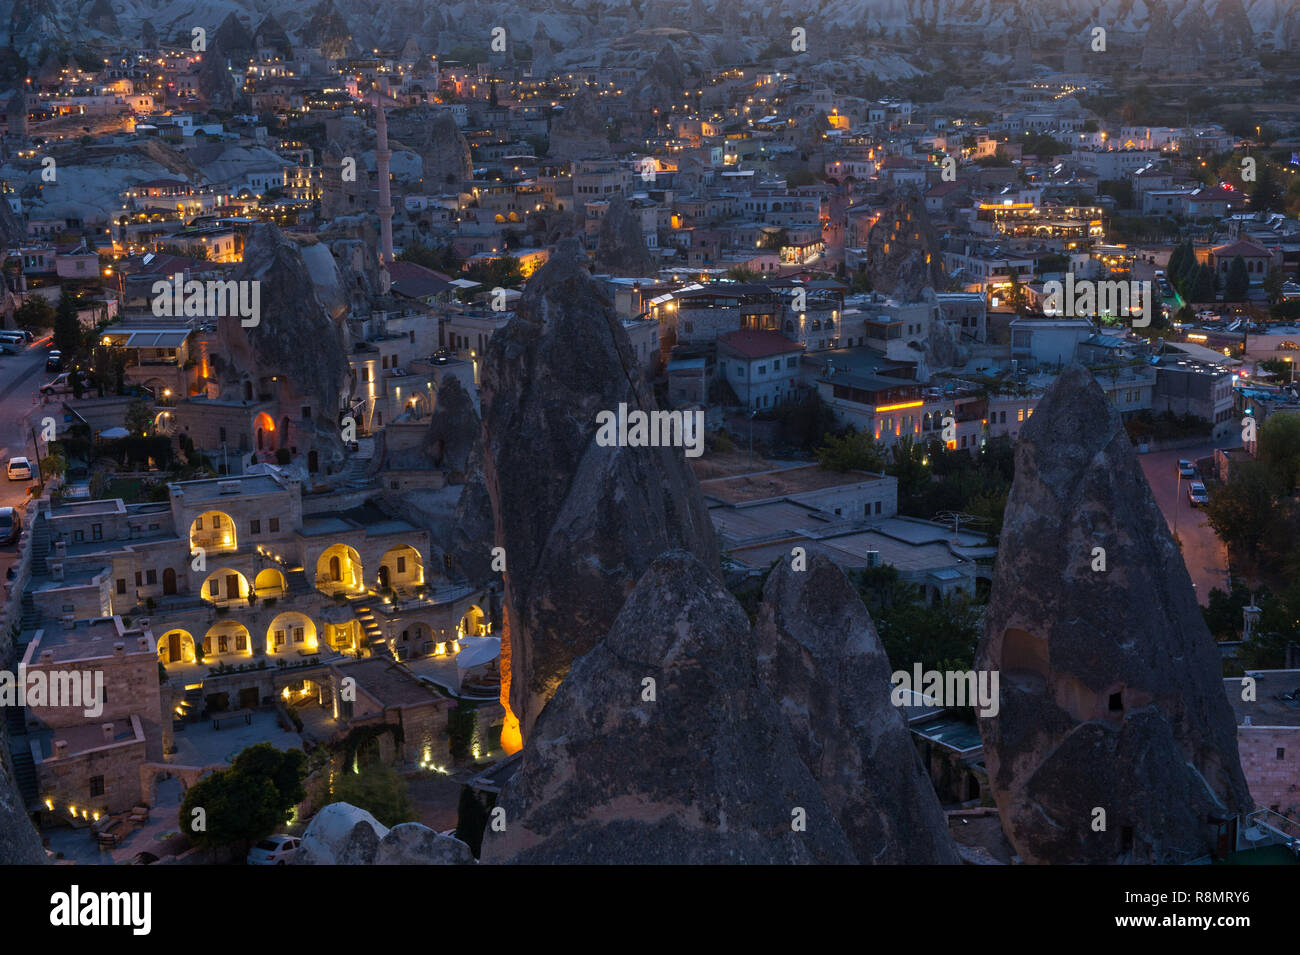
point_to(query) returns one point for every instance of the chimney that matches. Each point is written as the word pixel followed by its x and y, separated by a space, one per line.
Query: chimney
pixel 142 643
pixel 119 649
pixel 108 732
pixel 60 748
pixel 47 656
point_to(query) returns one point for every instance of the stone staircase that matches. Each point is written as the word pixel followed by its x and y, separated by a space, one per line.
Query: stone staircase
pixel 40 546
pixel 297 583
pixel 31 617
pixel 354 474
pixel 20 754
pixel 362 610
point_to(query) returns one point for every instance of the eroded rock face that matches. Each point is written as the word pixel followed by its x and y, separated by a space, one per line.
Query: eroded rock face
pixel 343 834
pixel 904 255
pixel 821 658
pixel 579 522
pixel 579 132
pixel 19 843
pixel 620 246
pixel 431 132
pixel 707 772
pixel 295 340
pixel 1111 694
pixel 453 429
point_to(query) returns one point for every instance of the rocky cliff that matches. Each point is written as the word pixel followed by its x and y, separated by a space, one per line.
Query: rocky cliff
pixel 579 522
pixel 821 658
pixel 295 340
pixel 705 772
pixel 1111 697
pixel 903 250
pixel 620 246
pixel 431 132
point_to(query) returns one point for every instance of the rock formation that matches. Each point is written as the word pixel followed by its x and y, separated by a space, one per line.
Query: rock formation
pixel 216 87
pixel 579 522
pixel 454 428
pixel 903 255
pixel 327 31
pixel 1111 696
pixel 706 772
pixel 820 657
pixel 579 131
pixel 342 834
pixel 295 340
pixel 270 35
pixel 234 39
pixel 431 132
pixel 620 246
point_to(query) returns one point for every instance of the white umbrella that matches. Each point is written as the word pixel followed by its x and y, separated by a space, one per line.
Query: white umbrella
pixel 111 433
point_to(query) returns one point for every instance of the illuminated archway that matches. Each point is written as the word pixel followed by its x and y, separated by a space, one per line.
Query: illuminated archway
pixel 227 638
pixel 214 531
pixel 264 425
pixel 176 646
pixel 270 583
pixel 473 623
pixel 290 632
pixel 344 637
pixel 401 568
pixel 338 570
pixel 225 586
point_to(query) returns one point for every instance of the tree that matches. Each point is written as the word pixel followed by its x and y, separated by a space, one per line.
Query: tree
pixel 855 451
pixel 35 313
pixel 67 327
pixel 906 466
pixel 1267 194
pixel 246 802
pixel 1237 283
pixel 1279 451
pixel 1241 507
pixel 1273 283
pixel 378 790
pixel 139 417
pixel 1201 286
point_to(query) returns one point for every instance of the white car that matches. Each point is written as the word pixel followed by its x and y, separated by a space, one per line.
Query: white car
pixel 1186 468
pixel 19 469
pixel 1197 495
pixel 273 850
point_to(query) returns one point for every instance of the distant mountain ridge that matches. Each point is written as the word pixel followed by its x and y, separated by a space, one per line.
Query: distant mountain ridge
pixel 34 24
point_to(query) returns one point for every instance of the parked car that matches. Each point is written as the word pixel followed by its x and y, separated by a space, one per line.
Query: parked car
pixel 1186 468
pixel 1197 495
pixel 273 850
pixel 59 385
pixel 19 469
pixel 54 361
pixel 11 524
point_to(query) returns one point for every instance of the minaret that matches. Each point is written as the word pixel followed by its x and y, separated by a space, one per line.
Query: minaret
pixel 382 155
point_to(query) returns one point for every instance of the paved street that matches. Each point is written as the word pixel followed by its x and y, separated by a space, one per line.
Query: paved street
pixel 20 376
pixel 1203 552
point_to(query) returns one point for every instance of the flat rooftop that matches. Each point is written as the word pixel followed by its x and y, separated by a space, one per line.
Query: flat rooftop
pixel 1271 706
pixel 211 488
pixel 387 682
pixel 81 739
pixel 784 482
pixel 951 732
pixel 85 639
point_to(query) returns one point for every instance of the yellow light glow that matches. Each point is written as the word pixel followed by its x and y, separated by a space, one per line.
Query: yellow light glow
pixel 899 407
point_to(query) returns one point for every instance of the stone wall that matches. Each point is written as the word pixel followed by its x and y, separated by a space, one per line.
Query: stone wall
pixel 1274 783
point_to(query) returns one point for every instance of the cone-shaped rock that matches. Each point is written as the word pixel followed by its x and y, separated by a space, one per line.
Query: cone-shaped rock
pixel 620 246
pixel 705 772
pixel 821 658
pixel 1111 696
pixel 579 522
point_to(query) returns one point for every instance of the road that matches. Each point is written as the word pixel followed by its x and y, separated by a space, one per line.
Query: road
pixel 20 376
pixel 1203 552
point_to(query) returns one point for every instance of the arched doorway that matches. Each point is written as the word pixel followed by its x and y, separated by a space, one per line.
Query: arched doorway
pixel 313 461
pixel 473 623
pixel 338 569
pixel 176 646
pixel 225 586
pixel 226 638
pixel 265 431
pixel 169 582
pixel 284 432
pixel 401 568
